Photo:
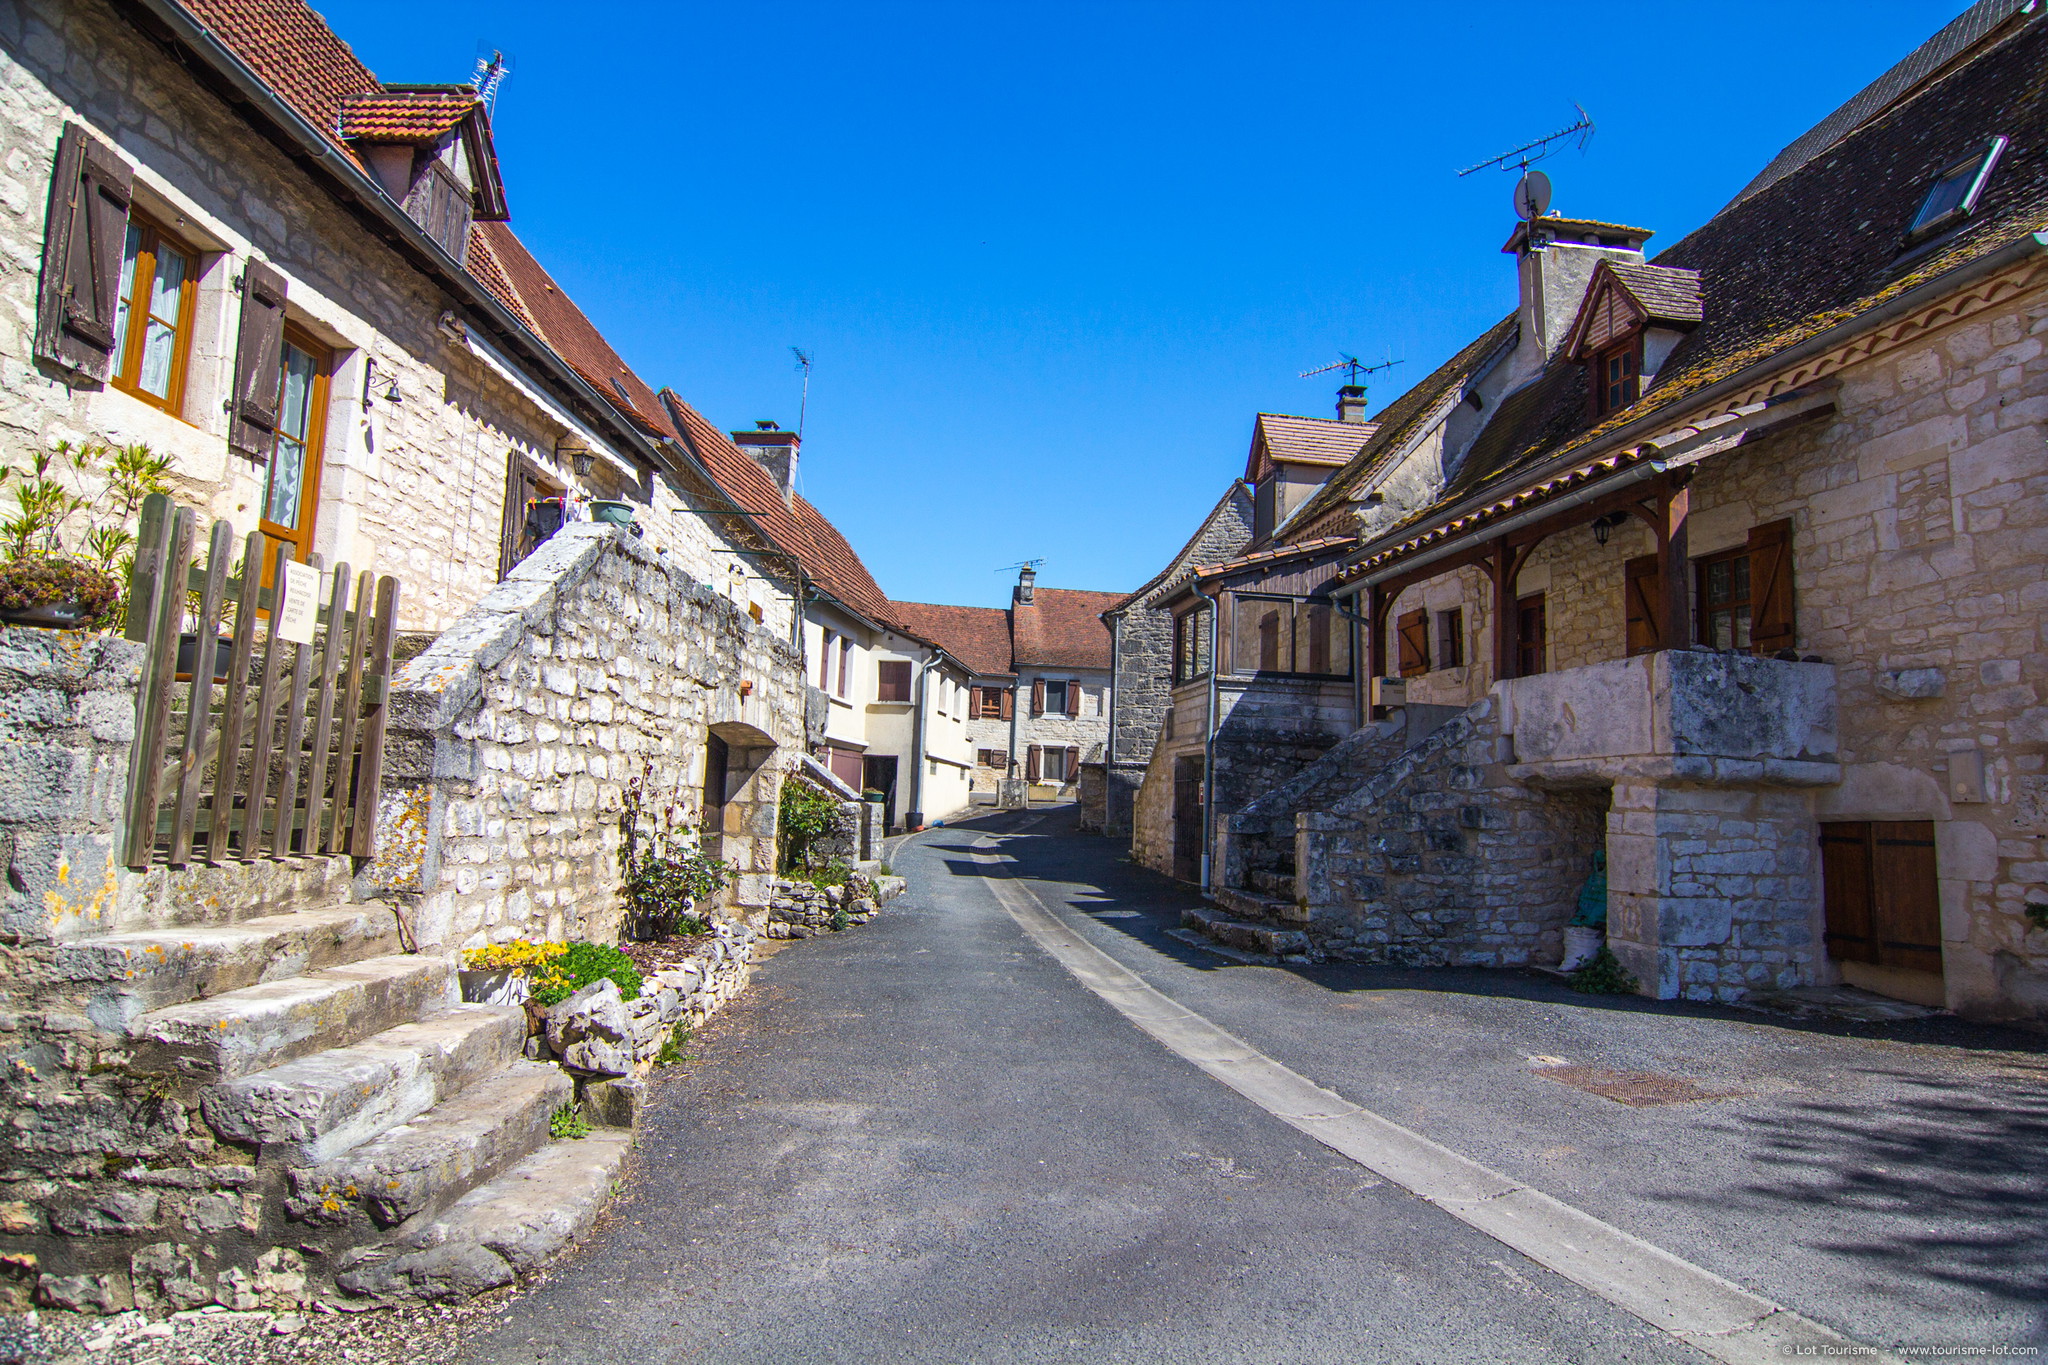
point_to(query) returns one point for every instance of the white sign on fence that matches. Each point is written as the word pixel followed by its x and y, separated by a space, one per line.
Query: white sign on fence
pixel 298 603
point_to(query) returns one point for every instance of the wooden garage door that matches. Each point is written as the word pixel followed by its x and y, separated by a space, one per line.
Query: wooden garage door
pixel 1883 900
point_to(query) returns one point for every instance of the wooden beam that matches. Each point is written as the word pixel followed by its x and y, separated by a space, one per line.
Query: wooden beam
pixel 1674 561
pixel 1507 623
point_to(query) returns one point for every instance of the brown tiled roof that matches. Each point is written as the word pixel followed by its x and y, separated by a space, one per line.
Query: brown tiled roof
pixel 407 115
pixel 1665 293
pixel 1309 440
pixel 1061 628
pixel 1299 549
pixel 1819 247
pixel 295 53
pixel 977 636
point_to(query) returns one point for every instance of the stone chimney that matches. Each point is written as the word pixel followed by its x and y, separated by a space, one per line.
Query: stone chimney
pixel 775 450
pixel 1027 583
pixel 1351 404
pixel 1555 258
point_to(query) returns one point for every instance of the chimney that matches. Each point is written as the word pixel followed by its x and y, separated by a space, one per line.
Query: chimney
pixel 775 451
pixel 1351 404
pixel 1027 580
pixel 1554 258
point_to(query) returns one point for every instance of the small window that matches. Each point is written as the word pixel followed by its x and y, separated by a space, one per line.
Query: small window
pixel 845 665
pixel 1617 376
pixel 1450 638
pixel 1056 698
pixel 1725 602
pixel 993 758
pixel 892 680
pixel 1953 195
pixel 153 318
pixel 1053 765
pixel 1191 645
pixel 991 703
pixel 291 484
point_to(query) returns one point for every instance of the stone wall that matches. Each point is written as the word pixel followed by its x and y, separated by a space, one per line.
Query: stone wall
pixel 598 663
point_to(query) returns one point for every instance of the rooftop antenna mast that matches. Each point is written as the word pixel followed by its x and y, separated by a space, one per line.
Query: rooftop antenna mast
pixel 803 362
pixel 1532 191
pixel 1033 564
pixel 1355 369
pixel 492 66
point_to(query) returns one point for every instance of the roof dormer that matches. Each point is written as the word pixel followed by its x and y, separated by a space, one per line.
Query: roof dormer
pixel 1632 318
pixel 430 147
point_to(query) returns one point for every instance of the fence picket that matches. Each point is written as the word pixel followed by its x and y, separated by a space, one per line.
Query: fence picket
pixel 351 709
pixel 323 719
pixel 145 581
pixel 145 756
pixel 227 770
pixel 266 705
pixel 294 735
pixel 362 841
pixel 199 712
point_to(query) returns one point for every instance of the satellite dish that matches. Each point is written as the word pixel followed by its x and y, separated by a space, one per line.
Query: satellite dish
pixel 1532 195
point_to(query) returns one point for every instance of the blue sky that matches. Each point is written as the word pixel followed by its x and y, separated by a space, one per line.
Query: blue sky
pixel 1051 258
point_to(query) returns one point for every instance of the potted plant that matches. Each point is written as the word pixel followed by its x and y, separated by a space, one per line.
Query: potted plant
pixel 60 552
pixel 506 973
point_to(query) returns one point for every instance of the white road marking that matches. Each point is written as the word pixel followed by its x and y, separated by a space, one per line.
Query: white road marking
pixel 1692 1303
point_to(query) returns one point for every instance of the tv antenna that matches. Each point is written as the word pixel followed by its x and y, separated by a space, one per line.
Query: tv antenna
pixel 803 362
pixel 1032 564
pixel 1357 368
pixel 492 66
pixel 1532 191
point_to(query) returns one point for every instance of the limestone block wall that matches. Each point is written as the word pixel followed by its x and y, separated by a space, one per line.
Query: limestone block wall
pixel 599 663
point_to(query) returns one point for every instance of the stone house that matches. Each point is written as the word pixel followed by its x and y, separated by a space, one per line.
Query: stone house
pixel 1038 700
pixel 1731 571
pixel 1141 647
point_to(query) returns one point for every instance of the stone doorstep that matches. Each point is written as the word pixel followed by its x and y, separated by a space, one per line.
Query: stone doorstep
pixel 1837 1002
pixel 155 968
pixel 428 1161
pixel 256 1027
pixel 326 1103
pixel 1251 938
pixel 506 1227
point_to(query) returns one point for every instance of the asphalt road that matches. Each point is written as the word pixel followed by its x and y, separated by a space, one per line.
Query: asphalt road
pixel 924 1140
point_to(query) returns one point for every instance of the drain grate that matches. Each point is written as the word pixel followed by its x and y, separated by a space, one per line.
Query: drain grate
pixel 1637 1088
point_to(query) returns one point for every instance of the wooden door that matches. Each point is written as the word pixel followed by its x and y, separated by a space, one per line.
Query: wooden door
pixel 1881 893
pixel 1187 819
pixel 1530 655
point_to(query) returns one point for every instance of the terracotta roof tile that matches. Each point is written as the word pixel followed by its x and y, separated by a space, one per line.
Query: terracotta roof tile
pixel 407 115
pixel 1301 549
pixel 1061 628
pixel 977 636
pixel 1311 440
pixel 1666 294
pixel 295 53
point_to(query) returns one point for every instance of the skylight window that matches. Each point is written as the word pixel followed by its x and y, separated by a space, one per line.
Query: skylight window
pixel 1954 193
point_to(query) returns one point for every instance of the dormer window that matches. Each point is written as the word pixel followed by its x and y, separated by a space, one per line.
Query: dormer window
pixel 1618 376
pixel 1953 195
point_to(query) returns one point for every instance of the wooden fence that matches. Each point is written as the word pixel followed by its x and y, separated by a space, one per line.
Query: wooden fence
pixel 283 758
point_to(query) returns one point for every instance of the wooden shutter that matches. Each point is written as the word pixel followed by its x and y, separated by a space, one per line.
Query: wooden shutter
pixel 892 680
pixel 84 234
pixel 1038 696
pixel 1032 764
pixel 1073 765
pixel 1009 697
pixel 1846 892
pixel 974 702
pixel 259 362
pixel 1413 628
pixel 1073 698
pixel 1643 602
pixel 1770 588
pixel 1907 896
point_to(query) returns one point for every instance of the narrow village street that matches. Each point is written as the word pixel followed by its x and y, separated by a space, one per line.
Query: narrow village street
pixel 927 1141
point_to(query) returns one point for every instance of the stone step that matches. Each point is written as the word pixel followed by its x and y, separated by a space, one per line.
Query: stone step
pixel 1252 938
pixel 426 1162
pixel 1277 885
pixel 134 973
pixel 505 1227
pixel 1252 905
pixel 319 1106
pixel 261 1026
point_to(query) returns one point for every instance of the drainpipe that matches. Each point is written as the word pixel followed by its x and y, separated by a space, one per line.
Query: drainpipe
pixel 1359 705
pixel 1116 654
pixel 1209 739
pixel 914 817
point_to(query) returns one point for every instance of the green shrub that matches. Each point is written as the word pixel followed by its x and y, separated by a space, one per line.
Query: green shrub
pixel 673 1048
pixel 1604 975
pixel 840 919
pixel 803 815
pixel 568 1122
pixel 583 964
pixel 661 891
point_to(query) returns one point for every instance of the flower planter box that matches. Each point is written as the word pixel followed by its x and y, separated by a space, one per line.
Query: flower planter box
pixel 504 987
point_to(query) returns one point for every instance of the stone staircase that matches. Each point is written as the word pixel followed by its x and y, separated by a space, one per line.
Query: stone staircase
pixel 399 1138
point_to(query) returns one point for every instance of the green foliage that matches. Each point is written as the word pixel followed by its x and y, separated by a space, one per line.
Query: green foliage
pixel 804 815
pixel 665 875
pixel 673 1048
pixel 61 546
pixel 840 919
pixel 583 964
pixel 887 871
pixel 27 583
pixel 568 1122
pixel 1603 975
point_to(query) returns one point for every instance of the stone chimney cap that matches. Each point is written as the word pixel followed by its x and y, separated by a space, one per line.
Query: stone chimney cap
pixel 1542 232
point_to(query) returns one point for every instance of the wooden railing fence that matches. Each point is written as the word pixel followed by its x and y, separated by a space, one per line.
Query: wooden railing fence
pixel 284 757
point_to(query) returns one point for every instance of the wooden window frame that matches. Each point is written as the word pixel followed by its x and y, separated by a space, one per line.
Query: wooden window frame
pixel 889 673
pixel 300 538
pixel 1190 658
pixel 1630 352
pixel 1294 614
pixel 126 372
pixel 1536 645
pixel 1704 608
pixel 991 707
pixel 525 481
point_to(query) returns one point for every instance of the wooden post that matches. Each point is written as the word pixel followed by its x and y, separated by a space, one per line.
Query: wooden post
pixel 1507 622
pixel 323 715
pixel 1674 562
pixel 363 837
pixel 199 713
pixel 294 738
pixel 266 707
pixel 351 716
pixel 146 754
pixel 227 768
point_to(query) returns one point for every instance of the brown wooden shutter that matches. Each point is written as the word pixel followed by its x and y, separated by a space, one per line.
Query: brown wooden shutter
pixel 1073 698
pixel 1908 895
pixel 1038 696
pixel 1073 765
pixel 1009 700
pixel 1031 764
pixel 974 702
pixel 892 680
pixel 1770 588
pixel 84 234
pixel 1643 603
pixel 1413 628
pixel 259 362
